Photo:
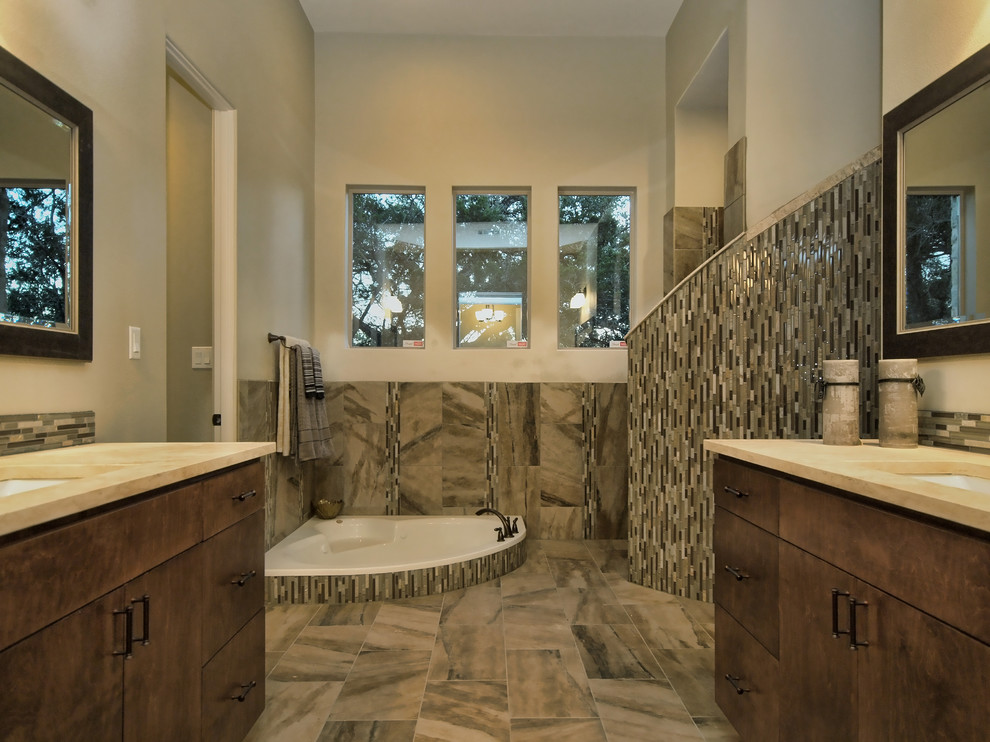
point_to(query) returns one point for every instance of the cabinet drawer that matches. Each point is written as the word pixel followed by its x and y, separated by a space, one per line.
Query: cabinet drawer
pixel 746 572
pixel 754 670
pixel 55 572
pixel 232 495
pixel 230 675
pixel 941 571
pixel 747 492
pixel 233 584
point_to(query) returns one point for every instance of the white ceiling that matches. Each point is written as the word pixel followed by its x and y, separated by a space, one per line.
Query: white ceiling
pixel 493 17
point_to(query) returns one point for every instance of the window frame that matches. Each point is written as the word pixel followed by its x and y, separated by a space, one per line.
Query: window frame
pixel 524 191
pixel 350 192
pixel 629 191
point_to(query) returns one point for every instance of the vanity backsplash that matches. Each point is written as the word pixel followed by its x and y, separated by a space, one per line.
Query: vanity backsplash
pixel 34 432
pixel 962 430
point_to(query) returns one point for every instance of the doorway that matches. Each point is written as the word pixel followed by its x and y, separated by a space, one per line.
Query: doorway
pixel 201 175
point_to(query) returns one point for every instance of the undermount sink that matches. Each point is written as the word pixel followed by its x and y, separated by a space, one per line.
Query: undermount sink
pixel 962 481
pixel 16 486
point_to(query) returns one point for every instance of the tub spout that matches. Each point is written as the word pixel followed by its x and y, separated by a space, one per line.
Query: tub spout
pixel 506 526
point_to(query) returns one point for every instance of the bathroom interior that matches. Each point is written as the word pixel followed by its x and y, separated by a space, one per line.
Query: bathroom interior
pixel 226 139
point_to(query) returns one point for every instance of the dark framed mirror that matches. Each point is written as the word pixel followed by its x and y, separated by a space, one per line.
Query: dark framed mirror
pixel 936 217
pixel 46 217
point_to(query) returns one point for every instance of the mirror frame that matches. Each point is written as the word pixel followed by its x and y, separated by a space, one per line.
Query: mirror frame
pixel 941 340
pixel 77 342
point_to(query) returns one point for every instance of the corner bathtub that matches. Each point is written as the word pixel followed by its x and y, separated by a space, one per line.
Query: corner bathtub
pixel 353 559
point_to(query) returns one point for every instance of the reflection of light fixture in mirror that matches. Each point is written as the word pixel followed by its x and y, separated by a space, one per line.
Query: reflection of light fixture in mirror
pixel 391 302
pixel 489 314
pixel 579 299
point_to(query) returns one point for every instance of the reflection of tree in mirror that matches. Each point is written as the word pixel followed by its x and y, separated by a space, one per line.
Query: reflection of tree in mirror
pixel 931 230
pixel 387 268
pixel 33 226
pixel 606 272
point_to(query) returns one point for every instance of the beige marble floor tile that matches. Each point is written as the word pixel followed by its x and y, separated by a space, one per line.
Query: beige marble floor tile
pixel 533 613
pixel 615 652
pixel 515 584
pixel 271 659
pixel 716 729
pixel 566 549
pixel 557 730
pixel 469 652
pixel 346 614
pixel 668 627
pixel 469 711
pixel 628 592
pixel 539 636
pixel 578 573
pixel 283 624
pixel 368 731
pixel 406 625
pixel 321 653
pixel 703 614
pixel 473 605
pixel 638 710
pixel 691 672
pixel 594 606
pixel 384 685
pixel 294 711
pixel 547 683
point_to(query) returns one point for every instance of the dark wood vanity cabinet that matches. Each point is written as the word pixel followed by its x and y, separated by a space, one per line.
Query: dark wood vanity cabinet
pixel 107 626
pixel 882 618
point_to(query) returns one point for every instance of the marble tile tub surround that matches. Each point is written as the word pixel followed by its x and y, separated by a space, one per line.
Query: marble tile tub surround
pixel 734 351
pixel 562 648
pixel 554 452
pixel 40 431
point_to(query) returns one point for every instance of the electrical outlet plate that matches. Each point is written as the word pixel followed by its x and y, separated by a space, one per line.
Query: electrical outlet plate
pixel 202 356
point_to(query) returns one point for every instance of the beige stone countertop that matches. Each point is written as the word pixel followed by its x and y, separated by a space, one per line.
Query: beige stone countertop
pixel 881 474
pixel 103 473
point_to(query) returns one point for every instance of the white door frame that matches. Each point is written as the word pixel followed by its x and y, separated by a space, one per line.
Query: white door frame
pixel 224 240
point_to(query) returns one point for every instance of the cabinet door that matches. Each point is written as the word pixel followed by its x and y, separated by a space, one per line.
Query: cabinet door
pixel 162 680
pixel 919 679
pixel 64 682
pixel 818 699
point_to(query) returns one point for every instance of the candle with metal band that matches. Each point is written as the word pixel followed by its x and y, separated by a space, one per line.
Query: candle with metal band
pixel 898 390
pixel 839 392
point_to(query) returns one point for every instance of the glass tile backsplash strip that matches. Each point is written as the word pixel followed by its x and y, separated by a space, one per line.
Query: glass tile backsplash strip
pixel 35 432
pixel 734 352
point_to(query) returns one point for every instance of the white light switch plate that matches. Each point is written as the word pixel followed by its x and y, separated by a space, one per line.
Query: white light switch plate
pixel 202 356
pixel 134 343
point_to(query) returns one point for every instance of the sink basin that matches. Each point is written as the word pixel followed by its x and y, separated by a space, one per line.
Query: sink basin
pixel 962 481
pixel 16 486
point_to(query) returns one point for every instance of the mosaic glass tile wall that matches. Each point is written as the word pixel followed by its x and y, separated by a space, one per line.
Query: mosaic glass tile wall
pixel 34 432
pixel 734 353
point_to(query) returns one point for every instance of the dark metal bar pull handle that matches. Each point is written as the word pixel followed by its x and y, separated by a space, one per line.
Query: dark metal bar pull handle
pixel 128 614
pixel 145 639
pixel 836 593
pixel 737 573
pixel 245 689
pixel 734 682
pixel 854 642
pixel 244 495
pixel 245 576
pixel 734 491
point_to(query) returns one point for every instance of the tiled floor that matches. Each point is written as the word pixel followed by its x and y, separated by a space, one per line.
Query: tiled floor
pixel 564 648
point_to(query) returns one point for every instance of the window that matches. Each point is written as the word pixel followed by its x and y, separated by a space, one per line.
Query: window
pixel 593 281
pixel 387 268
pixel 491 243
pixel 34 225
pixel 937 241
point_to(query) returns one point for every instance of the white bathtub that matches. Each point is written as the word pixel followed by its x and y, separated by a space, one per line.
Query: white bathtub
pixel 354 544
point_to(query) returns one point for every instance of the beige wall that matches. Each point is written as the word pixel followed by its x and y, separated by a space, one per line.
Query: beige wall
pixel 111 56
pixel 922 40
pixel 445 112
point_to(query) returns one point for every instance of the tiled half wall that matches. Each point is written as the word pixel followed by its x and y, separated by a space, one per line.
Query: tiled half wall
pixel 555 453
pixel 734 352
